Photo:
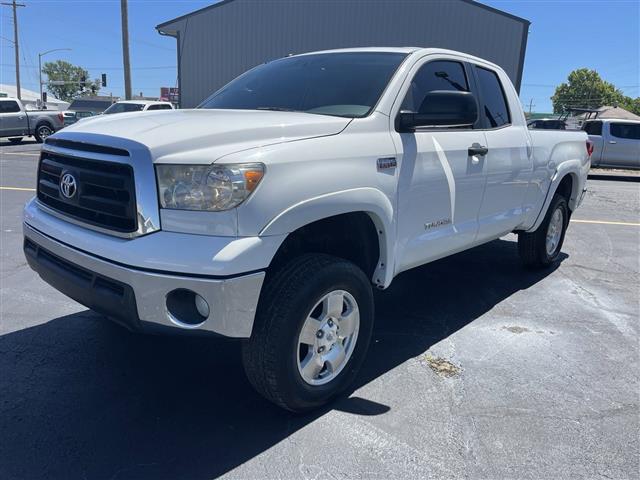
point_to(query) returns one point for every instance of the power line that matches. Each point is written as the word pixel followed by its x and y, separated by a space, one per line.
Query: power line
pixel 16 49
pixel 110 34
pixel 159 67
pixel 541 85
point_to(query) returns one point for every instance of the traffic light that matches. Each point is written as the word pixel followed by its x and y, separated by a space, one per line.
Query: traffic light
pixel 44 97
pixel 104 79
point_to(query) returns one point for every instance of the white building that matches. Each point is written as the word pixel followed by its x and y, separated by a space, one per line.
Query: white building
pixel 30 98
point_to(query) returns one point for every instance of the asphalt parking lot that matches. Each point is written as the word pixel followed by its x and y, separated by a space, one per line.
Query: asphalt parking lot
pixel 478 369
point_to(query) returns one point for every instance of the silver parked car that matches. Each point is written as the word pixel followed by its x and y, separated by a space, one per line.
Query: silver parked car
pixel 616 143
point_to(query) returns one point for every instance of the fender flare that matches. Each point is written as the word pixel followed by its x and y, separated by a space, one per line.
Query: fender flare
pixel 568 167
pixel 44 122
pixel 369 200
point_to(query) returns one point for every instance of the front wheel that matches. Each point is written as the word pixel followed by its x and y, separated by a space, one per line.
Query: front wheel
pixel 541 248
pixel 42 132
pixel 312 332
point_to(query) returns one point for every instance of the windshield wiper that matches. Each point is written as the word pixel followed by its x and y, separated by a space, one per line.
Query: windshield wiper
pixel 277 109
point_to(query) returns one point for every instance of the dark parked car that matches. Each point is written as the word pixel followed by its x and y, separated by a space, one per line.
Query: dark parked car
pixel 71 117
pixel 547 124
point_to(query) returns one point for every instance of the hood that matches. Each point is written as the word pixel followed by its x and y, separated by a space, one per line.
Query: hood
pixel 183 136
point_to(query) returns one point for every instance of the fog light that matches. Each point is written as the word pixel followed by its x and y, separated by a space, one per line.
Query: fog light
pixel 186 308
pixel 202 306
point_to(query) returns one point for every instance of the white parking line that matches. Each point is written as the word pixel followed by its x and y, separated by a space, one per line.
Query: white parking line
pixel 604 222
pixel 18 189
pixel 20 153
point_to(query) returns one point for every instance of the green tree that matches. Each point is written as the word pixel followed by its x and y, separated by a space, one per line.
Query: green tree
pixel 73 74
pixel 585 88
pixel 631 104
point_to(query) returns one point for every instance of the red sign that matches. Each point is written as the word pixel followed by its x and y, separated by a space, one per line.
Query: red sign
pixel 170 94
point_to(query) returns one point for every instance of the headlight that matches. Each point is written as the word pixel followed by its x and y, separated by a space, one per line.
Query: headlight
pixel 210 187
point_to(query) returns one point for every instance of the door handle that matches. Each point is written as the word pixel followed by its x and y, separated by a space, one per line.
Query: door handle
pixel 477 149
pixel 613 142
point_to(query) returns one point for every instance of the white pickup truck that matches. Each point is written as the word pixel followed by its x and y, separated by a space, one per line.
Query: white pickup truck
pixel 271 211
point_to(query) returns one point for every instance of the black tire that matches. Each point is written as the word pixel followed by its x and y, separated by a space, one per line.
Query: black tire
pixel 42 132
pixel 532 246
pixel 16 140
pixel 270 356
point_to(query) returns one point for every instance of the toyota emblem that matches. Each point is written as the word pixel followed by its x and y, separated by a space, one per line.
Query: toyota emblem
pixel 68 185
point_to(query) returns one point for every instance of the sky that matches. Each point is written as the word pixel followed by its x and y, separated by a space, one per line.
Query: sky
pixel 564 35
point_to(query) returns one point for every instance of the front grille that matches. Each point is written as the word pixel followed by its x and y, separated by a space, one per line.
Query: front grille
pixel 104 194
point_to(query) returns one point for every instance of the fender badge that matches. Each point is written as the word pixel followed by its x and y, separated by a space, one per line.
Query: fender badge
pixel 437 223
pixel 387 162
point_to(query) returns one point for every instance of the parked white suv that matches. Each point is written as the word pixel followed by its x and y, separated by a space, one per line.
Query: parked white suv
pixel 270 212
pixel 126 106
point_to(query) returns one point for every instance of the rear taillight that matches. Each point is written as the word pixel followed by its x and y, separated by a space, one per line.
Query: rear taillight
pixel 61 117
pixel 589 147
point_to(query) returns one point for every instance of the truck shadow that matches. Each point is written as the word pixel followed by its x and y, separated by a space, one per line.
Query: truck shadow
pixel 83 398
pixel 4 142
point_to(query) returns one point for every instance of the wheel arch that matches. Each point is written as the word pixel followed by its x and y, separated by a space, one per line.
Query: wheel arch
pixel 362 219
pixel 44 121
pixel 566 181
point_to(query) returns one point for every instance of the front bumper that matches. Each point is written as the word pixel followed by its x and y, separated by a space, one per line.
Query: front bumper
pixel 138 297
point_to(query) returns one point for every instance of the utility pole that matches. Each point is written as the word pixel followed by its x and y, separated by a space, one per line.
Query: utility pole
pixel 15 6
pixel 531 105
pixel 125 49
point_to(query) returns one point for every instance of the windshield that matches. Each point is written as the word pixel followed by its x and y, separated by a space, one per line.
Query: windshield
pixel 124 107
pixel 342 84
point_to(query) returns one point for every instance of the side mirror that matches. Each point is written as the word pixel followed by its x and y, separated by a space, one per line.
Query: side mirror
pixel 441 108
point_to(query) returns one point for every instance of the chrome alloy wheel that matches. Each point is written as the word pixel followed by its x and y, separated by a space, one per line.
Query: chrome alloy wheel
pixel 44 131
pixel 328 337
pixel 554 231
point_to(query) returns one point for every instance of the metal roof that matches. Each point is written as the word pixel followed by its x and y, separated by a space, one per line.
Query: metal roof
pixel 160 26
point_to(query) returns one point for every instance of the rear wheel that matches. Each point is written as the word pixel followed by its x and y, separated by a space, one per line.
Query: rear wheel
pixel 312 332
pixel 541 248
pixel 16 140
pixel 42 132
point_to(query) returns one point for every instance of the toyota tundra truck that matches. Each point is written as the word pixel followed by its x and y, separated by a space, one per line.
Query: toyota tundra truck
pixel 271 211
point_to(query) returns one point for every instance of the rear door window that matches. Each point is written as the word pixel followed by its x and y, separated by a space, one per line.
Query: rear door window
pixel 9 106
pixel 593 128
pixel 159 107
pixel 494 108
pixel 625 130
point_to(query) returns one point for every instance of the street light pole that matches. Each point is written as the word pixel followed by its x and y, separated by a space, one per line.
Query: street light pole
pixel 40 55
